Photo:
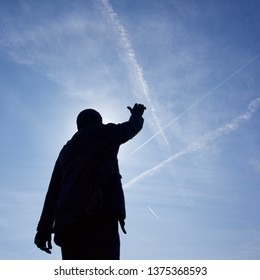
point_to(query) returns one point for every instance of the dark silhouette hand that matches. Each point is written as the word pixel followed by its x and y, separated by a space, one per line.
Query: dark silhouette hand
pixel 138 109
pixel 122 225
pixel 43 241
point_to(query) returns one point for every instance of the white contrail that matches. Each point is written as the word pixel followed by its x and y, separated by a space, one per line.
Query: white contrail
pixel 202 141
pixel 199 101
pixel 127 55
pixel 156 216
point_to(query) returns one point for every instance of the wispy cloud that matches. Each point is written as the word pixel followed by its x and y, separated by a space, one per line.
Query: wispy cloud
pixel 202 141
pixel 127 55
pixel 64 48
pixel 199 100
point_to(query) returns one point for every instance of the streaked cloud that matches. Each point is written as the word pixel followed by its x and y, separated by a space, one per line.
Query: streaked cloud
pixel 202 141
pixel 136 75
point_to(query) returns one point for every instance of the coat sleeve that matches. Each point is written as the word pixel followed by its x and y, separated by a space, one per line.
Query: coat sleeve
pixel 130 129
pixel 47 217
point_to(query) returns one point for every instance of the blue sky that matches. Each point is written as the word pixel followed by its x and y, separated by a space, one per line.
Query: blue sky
pixel 192 175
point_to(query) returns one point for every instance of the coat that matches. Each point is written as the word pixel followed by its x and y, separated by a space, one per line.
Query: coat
pixel 86 178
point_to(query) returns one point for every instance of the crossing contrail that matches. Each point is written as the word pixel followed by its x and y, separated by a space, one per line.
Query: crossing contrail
pixel 199 101
pixel 127 55
pixel 202 141
pixel 155 215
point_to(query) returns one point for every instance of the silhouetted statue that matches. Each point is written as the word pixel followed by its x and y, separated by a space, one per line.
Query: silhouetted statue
pixel 85 199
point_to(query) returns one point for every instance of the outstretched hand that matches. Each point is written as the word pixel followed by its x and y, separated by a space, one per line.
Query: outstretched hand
pixel 138 109
pixel 43 241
